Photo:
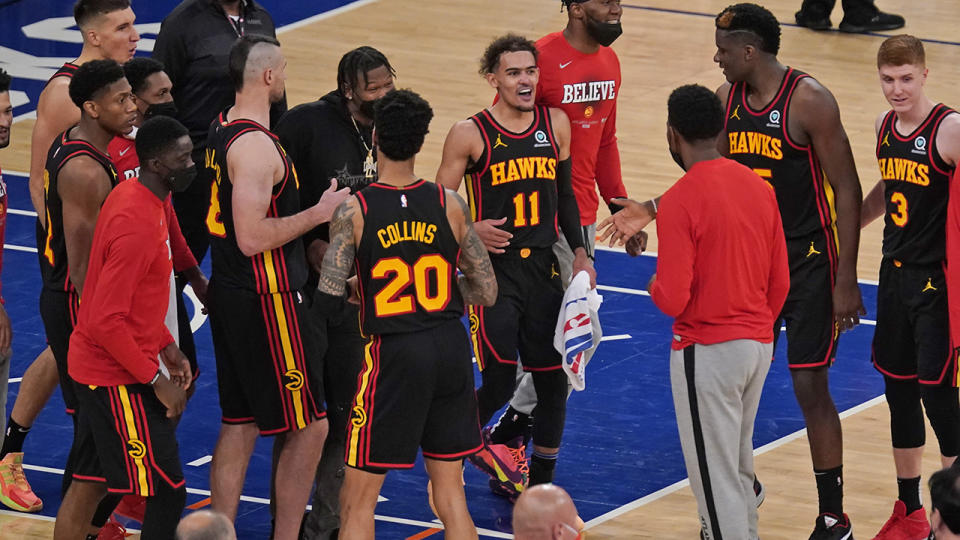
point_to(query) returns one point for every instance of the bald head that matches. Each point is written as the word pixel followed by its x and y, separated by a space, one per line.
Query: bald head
pixel 545 511
pixel 205 525
pixel 251 57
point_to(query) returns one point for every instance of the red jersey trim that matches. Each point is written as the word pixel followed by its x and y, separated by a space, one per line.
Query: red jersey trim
pixel 768 106
pixel 533 126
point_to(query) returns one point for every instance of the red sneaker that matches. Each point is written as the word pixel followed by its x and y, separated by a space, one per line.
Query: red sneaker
pixel 112 531
pixel 132 508
pixel 903 526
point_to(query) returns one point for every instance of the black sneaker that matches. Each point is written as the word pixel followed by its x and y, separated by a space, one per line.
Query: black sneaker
pixel 829 527
pixel 871 23
pixel 813 21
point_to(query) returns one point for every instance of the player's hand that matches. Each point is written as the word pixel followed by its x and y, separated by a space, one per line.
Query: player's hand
pixel 582 263
pixel 172 396
pixel 493 238
pixel 6 332
pixel 623 225
pixel 637 244
pixel 199 283
pixel 847 304
pixel 315 252
pixel 353 292
pixel 330 200
pixel 178 366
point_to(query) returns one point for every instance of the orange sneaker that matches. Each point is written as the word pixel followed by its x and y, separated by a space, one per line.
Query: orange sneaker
pixel 15 492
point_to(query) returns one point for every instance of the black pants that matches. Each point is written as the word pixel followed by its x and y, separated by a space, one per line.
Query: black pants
pixel 191 207
pixel 851 8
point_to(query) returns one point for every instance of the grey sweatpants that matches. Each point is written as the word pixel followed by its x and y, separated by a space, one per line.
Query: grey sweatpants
pixel 525 396
pixel 716 392
pixel 5 360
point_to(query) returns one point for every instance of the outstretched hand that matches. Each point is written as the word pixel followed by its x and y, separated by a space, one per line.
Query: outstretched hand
pixel 619 228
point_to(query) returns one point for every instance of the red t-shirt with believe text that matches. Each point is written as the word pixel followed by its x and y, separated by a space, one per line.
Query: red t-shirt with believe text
pixel 585 86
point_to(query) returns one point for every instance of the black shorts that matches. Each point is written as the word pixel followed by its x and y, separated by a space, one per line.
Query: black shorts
pixel 59 313
pixel 415 391
pixel 812 333
pixel 125 439
pixel 912 338
pixel 266 371
pixel 525 315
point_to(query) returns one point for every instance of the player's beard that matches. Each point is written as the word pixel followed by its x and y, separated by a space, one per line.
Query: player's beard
pixel 277 96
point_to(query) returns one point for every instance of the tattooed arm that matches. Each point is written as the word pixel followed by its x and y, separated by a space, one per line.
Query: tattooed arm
pixel 338 260
pixel 478 284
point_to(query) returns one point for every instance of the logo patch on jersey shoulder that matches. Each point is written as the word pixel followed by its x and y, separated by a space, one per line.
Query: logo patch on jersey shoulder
pixel 403 201
pixel 774 119
pixel 736 113
pixel 499 142
pixel 919 145
pixel 541 138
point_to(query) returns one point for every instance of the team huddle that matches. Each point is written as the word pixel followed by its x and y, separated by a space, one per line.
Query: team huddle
pixel 340 277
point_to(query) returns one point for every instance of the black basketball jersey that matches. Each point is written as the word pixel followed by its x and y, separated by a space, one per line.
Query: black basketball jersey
pixel 51 245
pixel 916 187
pixel 516 178
pixel 407 259
pixel 66 70
pixel 280 269
pixel 759 140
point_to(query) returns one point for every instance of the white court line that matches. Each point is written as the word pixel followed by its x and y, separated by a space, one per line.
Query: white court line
pixel 201 461
pixel 14 247
pixel 325 15
pixel 260 500
pixel 616 337
pixel 677 486
pixel 16 212
pixel 15 379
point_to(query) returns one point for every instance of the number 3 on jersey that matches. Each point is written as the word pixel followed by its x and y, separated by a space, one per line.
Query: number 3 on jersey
pixel 214 222
pixel 389 301
pixel 900 217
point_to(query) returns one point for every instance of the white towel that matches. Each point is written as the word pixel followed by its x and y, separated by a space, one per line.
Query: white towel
pixel 578 328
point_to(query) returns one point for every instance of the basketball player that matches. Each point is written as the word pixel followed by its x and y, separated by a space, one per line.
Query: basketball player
pixel 127 441
pixel 918 148
pixel 261 333
pixel 108 32
pixel 579 74
pixel 407 237
pixel 786 126
pixel 517 154
pixel 78 177
pixel 329 138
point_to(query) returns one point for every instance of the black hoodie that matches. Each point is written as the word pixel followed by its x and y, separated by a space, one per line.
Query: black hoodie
pixel 323 142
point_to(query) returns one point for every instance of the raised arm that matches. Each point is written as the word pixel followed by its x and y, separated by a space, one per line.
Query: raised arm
pixel 478 284
pixel 819 117
pixel 83 185
pixel 55 114
pixel 254 166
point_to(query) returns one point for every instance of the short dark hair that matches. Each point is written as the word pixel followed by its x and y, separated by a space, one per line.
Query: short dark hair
pixel 157 135
pixel 401 121
pixel 505 44
pixel 92 78
pixel 85 10
pixel 4 81
pixel 945 496
pixel 754 19
pixel 240 52
pixel 695 112
pixel 138 69
pixel 359 62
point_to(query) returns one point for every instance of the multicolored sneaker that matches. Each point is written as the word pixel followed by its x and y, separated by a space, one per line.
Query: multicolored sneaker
pixel 831 527
pixel 504 463
pixel 903 526
pixel 15 492
pixel 112 531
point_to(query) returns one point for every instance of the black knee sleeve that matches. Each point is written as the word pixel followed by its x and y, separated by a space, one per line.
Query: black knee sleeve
pixel 163 512
pixel 499 381
pixel 551 411
pixel 906 415
pixel 106 507
pixel 943 410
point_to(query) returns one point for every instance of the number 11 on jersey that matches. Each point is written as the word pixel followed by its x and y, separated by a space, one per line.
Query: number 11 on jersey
pixel 520 207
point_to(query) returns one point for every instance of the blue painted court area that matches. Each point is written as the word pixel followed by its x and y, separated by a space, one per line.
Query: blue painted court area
pixel 620 443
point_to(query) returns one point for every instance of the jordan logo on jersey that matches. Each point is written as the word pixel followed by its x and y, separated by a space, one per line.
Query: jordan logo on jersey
pixel 736 113
pixel 498 143
pixel 813 251
pixel 886 140
pixel 929 286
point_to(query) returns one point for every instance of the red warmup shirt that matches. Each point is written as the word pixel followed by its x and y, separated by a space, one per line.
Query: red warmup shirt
pixel 722 266
pixel 585 86
pixel 123 153
pixel 120 328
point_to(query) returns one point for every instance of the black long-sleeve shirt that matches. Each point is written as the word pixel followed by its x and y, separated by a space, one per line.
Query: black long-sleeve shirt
pixel 323 142
pixel 194 46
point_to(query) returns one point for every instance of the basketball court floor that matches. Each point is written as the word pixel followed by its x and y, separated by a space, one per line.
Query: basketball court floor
pixel 621 457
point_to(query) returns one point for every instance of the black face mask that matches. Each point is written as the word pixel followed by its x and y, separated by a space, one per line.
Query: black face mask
pixel 180 179
pixel 602 32
pixel 366 108
pixel 167 108
pixel 676 157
